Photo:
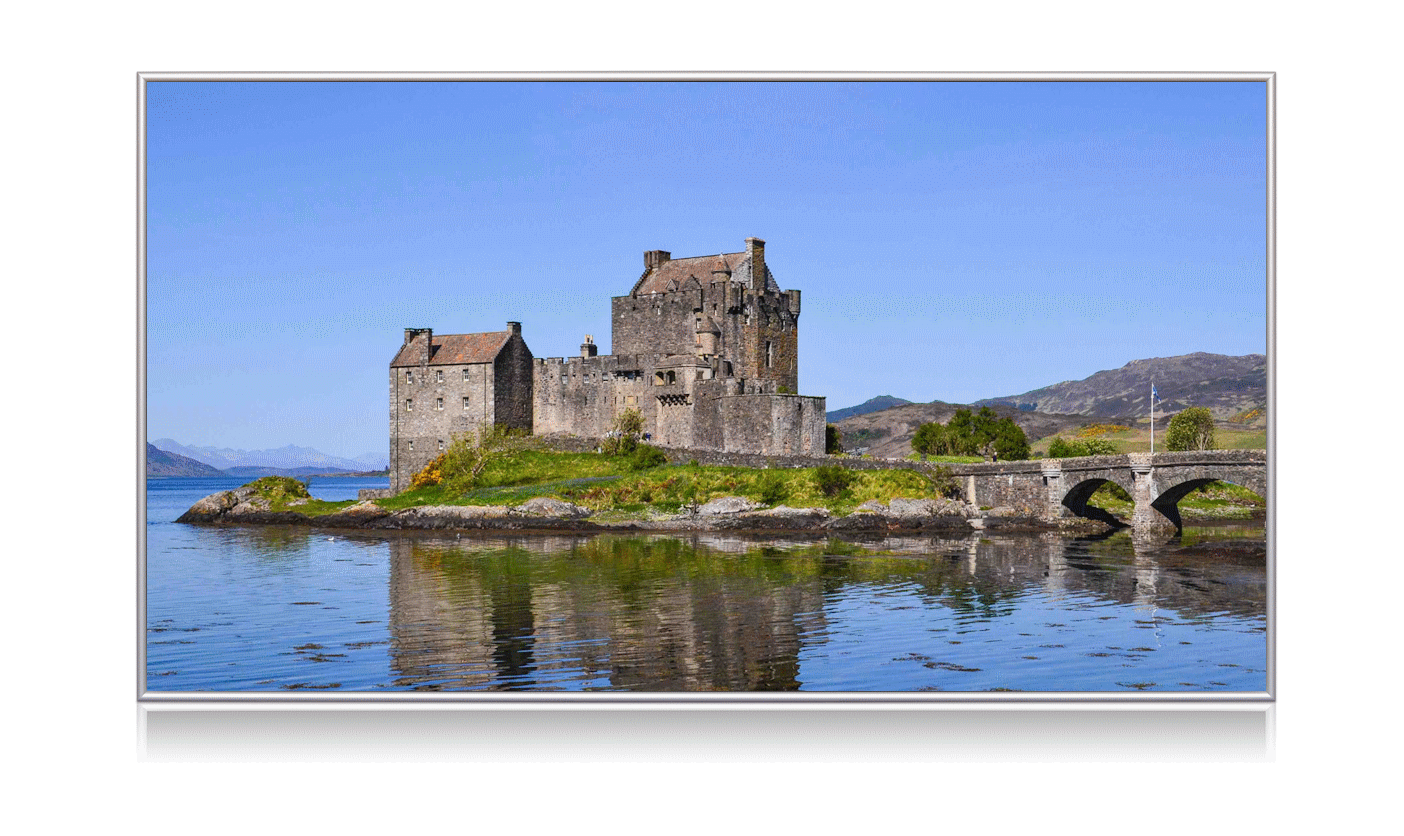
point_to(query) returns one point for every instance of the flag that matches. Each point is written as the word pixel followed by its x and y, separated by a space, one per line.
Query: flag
pixel 1154 396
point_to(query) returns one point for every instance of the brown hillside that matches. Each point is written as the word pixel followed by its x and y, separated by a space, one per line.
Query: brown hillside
pixel 888 434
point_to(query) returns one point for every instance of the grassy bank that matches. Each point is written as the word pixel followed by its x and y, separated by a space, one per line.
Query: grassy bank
pixel 609 483
pixel 1137 440
pixel 615 488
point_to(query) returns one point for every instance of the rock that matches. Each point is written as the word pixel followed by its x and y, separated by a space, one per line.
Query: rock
pixel 545 506
pixel 211 507
pixel 872 506
pixel 909 508
pixel 727 505
pixel 784 511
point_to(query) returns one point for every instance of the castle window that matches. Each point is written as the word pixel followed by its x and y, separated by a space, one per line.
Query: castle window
pixel 769 354
pixel 438 375
pixel 439 403
pixel 409 377
pixel 465 374
pixel 441 444
pixel 411 446
pixel 409 404
pixel 465 403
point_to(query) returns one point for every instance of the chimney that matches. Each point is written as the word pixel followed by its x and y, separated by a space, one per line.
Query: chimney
pixel 755 248
pixel 656 258
pixel 515 328
pixel 588 348
pixel 428 334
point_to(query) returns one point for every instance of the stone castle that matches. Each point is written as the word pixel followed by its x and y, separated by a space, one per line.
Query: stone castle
pixel 706 348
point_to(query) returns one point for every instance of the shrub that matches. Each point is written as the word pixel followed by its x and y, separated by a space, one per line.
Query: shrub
pixel 646 456
pixel 1191 429
pixel 832 480
pixel 773 489
pixel 432 474
pixel 280 488
pixel 624 435
pixel 1060 448
pixel 1115 491
pixel 471 453
pixel 943 483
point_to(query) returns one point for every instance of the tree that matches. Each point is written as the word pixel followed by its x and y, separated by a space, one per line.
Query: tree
pixel 624 436
pixel 929 439
pixel 1191 429
pixel 1010 443
pixel 972 434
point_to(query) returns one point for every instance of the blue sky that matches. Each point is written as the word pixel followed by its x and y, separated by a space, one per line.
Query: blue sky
pixel 953 240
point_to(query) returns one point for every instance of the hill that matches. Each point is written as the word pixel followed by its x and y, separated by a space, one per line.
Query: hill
pixel 1234 389
pixel 289 457
pixel 888 433
pixel 1227 386
pixel 161 463
pixel 877 404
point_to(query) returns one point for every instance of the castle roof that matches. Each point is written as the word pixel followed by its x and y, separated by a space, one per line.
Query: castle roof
pixel 454 349
pixel 673 274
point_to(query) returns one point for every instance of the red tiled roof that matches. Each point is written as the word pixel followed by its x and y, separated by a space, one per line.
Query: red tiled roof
pixel 454 349
pixel 680 269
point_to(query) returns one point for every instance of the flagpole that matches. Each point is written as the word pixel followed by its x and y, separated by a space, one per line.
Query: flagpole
pixel 1152 417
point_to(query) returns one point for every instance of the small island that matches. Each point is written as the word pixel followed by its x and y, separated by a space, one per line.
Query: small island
pixel 521 483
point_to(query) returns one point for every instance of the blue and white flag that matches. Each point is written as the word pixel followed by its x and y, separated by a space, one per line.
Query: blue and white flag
pixel 1154 396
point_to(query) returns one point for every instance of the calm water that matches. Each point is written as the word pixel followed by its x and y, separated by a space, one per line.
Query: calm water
pixel 276 609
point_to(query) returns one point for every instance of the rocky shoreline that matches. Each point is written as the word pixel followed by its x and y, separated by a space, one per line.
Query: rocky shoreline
pixel 242 506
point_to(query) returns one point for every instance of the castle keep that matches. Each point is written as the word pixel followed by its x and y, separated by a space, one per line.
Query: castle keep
pixel 706 348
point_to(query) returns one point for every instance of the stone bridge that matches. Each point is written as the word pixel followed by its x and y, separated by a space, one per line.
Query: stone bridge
pixel 1058 488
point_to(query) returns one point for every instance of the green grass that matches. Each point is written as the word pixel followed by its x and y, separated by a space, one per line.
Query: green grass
pixel 285 493
pixel 914 457
pixel 1137 440
pixel 608 483
pixel 316 507
pixel 1240 439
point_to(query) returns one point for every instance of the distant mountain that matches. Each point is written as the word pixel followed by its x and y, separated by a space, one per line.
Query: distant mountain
pixel 877 404
pixel 161 463
pixel 1227 386
pixel 283 458
pixel 254 471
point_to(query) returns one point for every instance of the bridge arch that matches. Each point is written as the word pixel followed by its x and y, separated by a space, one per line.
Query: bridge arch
pixel 1075 499
pixel 1167 500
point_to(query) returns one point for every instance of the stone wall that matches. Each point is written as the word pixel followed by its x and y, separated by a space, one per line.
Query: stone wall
pixel 513 394
pixel 582 396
